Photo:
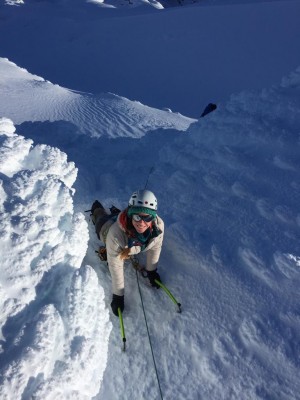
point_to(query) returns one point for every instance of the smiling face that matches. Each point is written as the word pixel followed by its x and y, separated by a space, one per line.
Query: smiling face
pixel 141 226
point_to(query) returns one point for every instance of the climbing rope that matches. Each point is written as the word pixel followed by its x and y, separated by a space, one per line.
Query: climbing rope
pixel 148 333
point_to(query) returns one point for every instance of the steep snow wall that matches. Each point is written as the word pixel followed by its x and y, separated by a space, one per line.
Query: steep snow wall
pixel 54 323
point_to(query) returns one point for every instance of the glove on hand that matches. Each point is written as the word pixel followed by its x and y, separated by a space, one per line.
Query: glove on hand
pixel 152 275
pixel 117 302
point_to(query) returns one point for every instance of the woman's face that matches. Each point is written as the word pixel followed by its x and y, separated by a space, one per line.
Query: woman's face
pixel 141 226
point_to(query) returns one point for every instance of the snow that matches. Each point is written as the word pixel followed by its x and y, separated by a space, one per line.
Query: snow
pixel 43 101
pixel 175 58
pixel 73 129
pixel 53 316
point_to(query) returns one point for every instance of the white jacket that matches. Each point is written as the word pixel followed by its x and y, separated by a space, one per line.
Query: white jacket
pixel 117 240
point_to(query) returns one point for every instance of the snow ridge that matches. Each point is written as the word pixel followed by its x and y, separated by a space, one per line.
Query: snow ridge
pixel 54 322
pixel 102 115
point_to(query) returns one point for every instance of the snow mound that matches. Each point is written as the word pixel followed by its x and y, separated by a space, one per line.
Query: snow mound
pixel 54 324
pixel 38 100
pixel 99 115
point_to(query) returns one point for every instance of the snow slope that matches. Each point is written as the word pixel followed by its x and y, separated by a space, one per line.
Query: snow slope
pixel 235 268
pixel 228 190
pixel 231 255
pixel 40 100
pixel 180 58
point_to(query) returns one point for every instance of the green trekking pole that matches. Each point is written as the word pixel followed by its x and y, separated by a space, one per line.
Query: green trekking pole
pixel 169 294
pixel 122 328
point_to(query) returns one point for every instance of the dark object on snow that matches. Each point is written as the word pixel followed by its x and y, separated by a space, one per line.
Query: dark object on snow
pixel 208 109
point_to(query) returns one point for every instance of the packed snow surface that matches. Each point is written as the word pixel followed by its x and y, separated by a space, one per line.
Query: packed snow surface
pixel 228 187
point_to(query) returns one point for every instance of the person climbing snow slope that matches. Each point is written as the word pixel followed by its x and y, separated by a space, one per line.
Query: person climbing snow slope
pixel 138 229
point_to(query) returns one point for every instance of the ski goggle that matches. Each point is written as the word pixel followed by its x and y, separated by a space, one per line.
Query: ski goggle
pixel 145 218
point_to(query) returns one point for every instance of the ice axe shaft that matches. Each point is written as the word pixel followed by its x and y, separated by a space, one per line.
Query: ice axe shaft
pixel 122 328
pixel 169 294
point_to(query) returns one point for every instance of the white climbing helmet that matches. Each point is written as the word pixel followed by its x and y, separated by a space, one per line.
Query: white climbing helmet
pixel 143 198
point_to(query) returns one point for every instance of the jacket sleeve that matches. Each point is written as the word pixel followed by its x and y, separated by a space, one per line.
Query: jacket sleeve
pixel 114 246
pixel 153 254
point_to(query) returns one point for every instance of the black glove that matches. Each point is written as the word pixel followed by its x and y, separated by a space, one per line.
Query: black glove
pixel 152 275
pixel 117 302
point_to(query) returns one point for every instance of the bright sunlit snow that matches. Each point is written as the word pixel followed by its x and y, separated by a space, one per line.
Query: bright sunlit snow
pixel 96 100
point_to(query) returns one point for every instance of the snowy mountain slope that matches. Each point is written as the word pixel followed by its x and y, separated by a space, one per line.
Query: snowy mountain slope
pixel 228 190
pixel 101 115
pixel 180 58
pixel 231 205
pixel 231 255
pixel 132 4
